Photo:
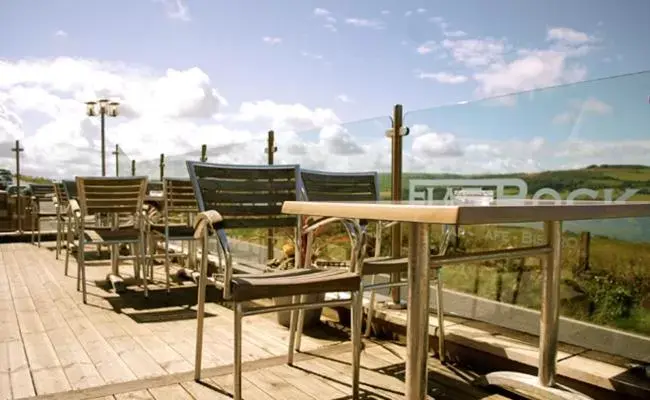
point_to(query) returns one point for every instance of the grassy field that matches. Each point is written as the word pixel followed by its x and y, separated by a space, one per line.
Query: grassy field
pixel 615 288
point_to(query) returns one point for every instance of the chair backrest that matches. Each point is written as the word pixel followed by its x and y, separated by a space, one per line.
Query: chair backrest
pixel 70 188
pixel 111 195
pixel 60 193
pixel 42 191
pixel 246 196
pixel 179 196
pixel 154 186
pixel 340 186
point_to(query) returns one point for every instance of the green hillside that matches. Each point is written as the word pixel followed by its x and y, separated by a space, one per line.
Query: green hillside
pixel 618 177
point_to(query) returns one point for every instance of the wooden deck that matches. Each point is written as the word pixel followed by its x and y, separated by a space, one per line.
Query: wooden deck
pixel 52 346
pixel 51 342
pixel 323 374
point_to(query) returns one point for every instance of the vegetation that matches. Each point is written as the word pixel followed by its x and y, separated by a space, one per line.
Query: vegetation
pixel 618 177
pixel 612 290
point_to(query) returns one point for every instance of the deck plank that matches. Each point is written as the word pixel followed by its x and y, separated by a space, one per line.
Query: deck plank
pixel 51 342
pixel 170 392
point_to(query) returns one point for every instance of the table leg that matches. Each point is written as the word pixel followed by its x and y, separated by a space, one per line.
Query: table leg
pixel 544 386
pixel 418 312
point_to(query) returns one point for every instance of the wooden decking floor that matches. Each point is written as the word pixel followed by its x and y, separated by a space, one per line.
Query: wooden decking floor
pixel 323 374
pixel 50 342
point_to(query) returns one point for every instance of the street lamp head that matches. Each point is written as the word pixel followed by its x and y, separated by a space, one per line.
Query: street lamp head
pixel 113 109
pixel 103 104
pixel 91 111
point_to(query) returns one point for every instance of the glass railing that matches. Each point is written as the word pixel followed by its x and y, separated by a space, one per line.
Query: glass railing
pixel 359 146
pixel 588 140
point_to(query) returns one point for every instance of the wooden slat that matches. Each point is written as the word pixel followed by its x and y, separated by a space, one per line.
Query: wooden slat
pixel 246 173
pixel 269 186
pixel 243 223
pixel 326 186
pixel 260 197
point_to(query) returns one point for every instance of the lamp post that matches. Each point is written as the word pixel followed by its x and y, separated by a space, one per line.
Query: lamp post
pixel 102 108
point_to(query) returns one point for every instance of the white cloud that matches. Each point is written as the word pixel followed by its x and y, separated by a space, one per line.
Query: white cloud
pixel 61 33
pixel 365 23
pixel 427 47
pixel 171 112
pixel 313 56
pixel 272 40
pixel 321 12
pixel 344 98
pixel 580 108
pixel 456 33
pixel 533 70
pixel 443 77
pixel 476 52
pixel 385 12
pixel 421 10
pixel 567 35
pixel 326 15
pixel 176 9
pixel 500 68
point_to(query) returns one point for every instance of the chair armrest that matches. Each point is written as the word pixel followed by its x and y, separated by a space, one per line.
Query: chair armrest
pixel 205 220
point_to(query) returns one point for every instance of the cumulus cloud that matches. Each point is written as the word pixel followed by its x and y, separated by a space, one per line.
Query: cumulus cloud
pixel 176 9
pixel 171 112
pixel 498 67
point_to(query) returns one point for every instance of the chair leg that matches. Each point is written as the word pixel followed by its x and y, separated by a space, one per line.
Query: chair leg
pixel 371 311
pixel 142 265
pixel 441 315
pixel 301 323
pixel 293 325
pixel 356 317
pixel 237 351
pixel 200 312
pixel 32 235
pixel 57 253
pixel 82 267
pixel 167 264
pixel 68 248
pixel 38 227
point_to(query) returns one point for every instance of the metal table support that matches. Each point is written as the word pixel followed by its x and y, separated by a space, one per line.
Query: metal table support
pixel 543 386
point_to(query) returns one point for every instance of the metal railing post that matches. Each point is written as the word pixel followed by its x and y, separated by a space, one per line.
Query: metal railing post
pixel 18 150
pixel 132 167
pixel 162 166
pixel 270 150
pixel 204 153
pixel 396 134
pixel 116 153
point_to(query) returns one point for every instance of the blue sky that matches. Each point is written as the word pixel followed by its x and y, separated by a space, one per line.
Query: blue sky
pixel 358 58
pixel 371 66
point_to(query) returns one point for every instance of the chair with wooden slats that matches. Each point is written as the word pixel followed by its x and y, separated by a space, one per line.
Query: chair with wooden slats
pixel 178 210
pixel 251 197
pixel 61 205
pixel 112 197
pixel 361 186
pixel 41 194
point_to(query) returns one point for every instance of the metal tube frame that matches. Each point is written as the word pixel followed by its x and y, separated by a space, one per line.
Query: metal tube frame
pixel 239 312
pixel 544 385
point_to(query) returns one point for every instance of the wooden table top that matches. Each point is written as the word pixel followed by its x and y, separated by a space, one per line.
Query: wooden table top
pixel 448 212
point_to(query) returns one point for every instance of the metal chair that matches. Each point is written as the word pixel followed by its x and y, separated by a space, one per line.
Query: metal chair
pixel 41 193
pixel 364 186
pixel 111 196
pixel 60 205
pixel 179 202
pixel 251 197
